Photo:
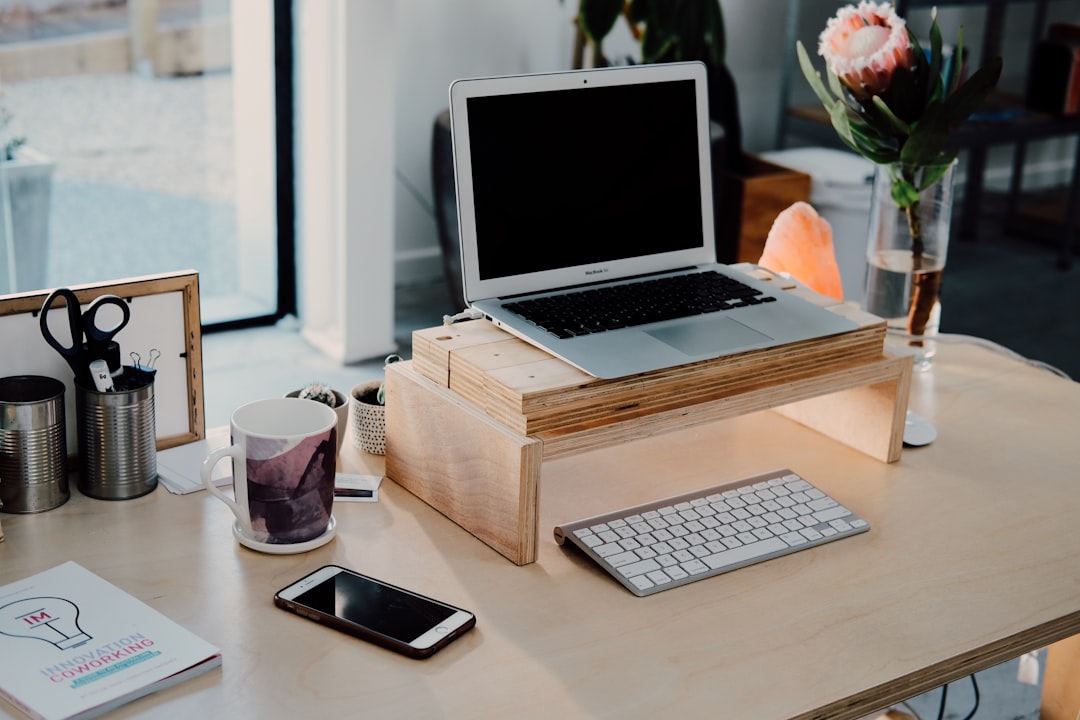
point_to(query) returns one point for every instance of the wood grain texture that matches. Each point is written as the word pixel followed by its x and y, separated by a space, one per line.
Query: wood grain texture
pixel 529 391
pixel 478 474
pixel 1061 685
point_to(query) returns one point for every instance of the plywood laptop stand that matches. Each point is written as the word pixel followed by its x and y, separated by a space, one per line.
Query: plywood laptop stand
pixel 472 418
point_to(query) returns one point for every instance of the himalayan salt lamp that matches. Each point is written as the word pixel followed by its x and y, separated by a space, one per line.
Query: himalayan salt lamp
pixel 800 244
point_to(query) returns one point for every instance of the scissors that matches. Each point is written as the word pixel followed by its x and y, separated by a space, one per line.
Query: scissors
pixel 79 354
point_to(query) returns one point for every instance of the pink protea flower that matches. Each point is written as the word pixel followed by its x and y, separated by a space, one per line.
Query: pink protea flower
pixel 863 46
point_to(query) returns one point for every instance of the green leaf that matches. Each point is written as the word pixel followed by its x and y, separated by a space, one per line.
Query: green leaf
pixel 835 85
pixel 715 31
pixel 598 17
pixel 679 30
pixel 655 45
pixel 907 99
pixel 932 173
pixel 904 193
pixel 921 67
pixel 899 126
pixel 871 144
pixel 813 77
pixel 927 140
pixel 956 64
pixel 970 96
pixel 934 88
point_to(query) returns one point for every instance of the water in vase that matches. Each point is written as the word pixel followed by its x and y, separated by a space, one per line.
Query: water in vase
pixel 889 293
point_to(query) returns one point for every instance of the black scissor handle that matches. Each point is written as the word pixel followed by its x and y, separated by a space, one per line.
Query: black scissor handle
pixel 75 323
pixel 100 336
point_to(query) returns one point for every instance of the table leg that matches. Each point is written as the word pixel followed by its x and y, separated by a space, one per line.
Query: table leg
pixel 1065 259
pixel 973 192
pixel 1061 684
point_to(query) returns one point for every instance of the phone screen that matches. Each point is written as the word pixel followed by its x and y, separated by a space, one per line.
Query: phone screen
pixel 378 607
pixel 371 609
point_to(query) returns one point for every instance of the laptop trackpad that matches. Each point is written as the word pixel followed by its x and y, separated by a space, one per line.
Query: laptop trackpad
pixel 708 336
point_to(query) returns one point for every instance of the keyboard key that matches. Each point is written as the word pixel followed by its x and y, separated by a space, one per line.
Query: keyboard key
pixel 643 301
pixel 694 567
pixel 676 573
pixel 623 558
pixel 639 567
pixel 746 552
pixel 793 538
pixel 832 513
pixel 608 549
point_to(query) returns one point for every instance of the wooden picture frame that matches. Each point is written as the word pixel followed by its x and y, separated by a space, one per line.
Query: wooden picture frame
pixel 164 317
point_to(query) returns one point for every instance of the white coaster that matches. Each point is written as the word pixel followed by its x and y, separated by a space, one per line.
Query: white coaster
pixel 917 430
pixel 286 548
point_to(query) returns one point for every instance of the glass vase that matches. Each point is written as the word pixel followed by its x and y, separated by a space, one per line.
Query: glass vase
pixel 905 258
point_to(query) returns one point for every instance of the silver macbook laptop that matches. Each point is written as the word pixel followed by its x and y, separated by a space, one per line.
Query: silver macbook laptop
pixel 576 183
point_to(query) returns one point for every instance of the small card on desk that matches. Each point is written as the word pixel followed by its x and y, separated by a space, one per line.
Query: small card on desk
pixel 356 488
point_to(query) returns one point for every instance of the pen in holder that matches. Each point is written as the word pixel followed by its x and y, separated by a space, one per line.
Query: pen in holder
pixel 117 437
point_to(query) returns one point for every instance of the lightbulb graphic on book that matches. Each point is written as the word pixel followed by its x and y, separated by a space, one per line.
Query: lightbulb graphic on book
pixel 51 619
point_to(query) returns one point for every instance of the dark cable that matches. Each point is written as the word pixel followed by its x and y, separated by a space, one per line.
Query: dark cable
pixel 975 687
pixel 941 709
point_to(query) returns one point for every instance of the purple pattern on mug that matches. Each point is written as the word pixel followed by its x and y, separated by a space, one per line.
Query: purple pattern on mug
pixel 290 489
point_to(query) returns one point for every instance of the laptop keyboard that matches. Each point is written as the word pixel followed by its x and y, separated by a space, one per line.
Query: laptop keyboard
pixel 617 306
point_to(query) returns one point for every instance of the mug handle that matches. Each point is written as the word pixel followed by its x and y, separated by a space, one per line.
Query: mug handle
pixel 207 472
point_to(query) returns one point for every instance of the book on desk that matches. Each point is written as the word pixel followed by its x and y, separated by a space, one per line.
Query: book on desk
pixel 73 645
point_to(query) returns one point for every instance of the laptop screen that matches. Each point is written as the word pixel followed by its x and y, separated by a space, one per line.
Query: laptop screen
pixel 568 178
pixel 592 174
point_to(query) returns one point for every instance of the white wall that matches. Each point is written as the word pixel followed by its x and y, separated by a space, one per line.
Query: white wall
pixel 441 40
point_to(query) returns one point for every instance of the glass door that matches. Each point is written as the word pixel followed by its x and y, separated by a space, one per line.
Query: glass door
pixel 142 141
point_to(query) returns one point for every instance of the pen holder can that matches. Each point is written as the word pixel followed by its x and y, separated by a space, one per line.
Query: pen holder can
pixel 117 438
pixel 33 444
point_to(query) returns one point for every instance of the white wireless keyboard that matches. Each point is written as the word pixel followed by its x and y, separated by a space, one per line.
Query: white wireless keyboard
pixel 681 539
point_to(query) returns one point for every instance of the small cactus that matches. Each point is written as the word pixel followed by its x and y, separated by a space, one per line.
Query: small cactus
pixel 381 395
pixel 319 392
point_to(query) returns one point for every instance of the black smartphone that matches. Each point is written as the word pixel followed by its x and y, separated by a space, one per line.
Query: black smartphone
pixel 384 614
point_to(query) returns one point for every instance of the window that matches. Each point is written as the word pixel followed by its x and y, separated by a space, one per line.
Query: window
pixel 150 146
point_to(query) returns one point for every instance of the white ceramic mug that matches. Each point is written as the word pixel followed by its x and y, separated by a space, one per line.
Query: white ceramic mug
pixel 284 458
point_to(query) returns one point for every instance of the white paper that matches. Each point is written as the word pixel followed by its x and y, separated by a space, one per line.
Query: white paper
pixel 180 468
pixel 1028 671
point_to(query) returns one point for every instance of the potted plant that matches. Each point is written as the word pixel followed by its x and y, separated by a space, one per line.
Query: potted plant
pixel 25 193
pixel 669 31
pixel 334 399
pixel 748 191
pixel 369 413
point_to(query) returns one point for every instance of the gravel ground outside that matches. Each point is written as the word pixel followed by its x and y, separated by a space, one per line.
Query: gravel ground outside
pixel 144 178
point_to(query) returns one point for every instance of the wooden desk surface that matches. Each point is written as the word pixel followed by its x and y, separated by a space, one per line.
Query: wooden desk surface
pixel 973 558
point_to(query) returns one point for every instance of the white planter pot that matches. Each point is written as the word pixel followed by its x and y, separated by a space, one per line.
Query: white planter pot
pixel 369 419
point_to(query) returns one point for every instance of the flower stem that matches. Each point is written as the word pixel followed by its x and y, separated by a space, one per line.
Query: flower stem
pixel 924 286
pixel 915 230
